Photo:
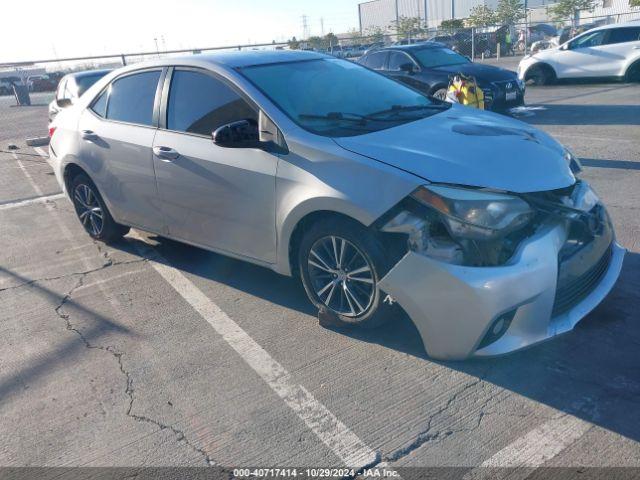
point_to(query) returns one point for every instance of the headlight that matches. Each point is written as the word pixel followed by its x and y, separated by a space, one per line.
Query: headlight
pixel 573 161
pixel 475 214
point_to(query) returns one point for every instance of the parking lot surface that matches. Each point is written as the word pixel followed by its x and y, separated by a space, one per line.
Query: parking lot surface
pixel 152 353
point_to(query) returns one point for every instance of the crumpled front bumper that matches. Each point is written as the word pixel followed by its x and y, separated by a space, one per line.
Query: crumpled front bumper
pixel 454 306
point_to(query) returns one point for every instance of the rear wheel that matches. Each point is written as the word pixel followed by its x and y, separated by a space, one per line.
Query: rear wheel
pixel 633 73
pixel 92 211
pixel 341 264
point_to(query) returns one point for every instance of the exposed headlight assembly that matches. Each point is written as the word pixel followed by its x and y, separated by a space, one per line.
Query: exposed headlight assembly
pixel 462 225
pixel 475 214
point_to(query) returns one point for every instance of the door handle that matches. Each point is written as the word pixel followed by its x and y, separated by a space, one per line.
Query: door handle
pixel 89 134
pixel 165 153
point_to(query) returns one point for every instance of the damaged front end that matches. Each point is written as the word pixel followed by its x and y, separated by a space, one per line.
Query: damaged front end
pixel 484 273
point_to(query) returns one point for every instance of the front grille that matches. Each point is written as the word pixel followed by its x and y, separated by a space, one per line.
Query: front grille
pixel 573 292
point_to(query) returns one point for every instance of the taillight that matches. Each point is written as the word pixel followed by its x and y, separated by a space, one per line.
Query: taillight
pixel 52 130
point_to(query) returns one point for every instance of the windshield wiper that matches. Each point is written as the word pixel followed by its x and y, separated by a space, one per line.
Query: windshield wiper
pixel 340 116
pixel 410 108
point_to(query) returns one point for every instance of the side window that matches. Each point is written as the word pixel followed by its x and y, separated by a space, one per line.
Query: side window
pixel 396 60
pixel 100 105
pixel 623 35
pixel 200 103
pixel 594 39
pixel 376 60
pixel 131 98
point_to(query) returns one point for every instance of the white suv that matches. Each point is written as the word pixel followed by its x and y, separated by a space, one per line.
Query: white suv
pixel 608 51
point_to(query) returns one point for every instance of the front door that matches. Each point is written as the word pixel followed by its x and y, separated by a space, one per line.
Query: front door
pixel 582 57
pixel 222 198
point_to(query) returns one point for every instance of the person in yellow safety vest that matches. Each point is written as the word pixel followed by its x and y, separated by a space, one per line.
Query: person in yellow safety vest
pixel 507 41
pixel 465 91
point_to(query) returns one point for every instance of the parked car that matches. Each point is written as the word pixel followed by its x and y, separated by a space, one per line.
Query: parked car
pixel 428 66
pixel 40 83
pixel 476 224
pixel 6 87
pixel 608 51
pixel 70 88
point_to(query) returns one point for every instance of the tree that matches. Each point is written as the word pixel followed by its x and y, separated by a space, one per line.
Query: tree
pixel 452 24
pixel 509 12
pixel 481 16
pixel 294 44
pixel 567 9
pixel 634 3
pixel 376 34
pixel 330 40
pixel 407 26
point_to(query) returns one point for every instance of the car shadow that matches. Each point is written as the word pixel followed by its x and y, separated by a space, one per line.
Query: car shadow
pixel 592 372
pixel 551 114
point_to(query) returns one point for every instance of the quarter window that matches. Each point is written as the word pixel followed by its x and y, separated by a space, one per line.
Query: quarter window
pixel 200 103
pixel 131 98
pixel 100 105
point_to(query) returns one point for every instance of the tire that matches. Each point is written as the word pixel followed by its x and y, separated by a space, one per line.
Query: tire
pixel 440 94
pixel 348 289
pixel 633 73
pixel 540 75
pixel 93 212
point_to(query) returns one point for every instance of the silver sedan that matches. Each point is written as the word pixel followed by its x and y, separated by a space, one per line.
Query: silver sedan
pixel 376 196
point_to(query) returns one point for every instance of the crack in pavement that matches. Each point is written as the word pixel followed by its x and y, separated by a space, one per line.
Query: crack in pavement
pixel 427 435
pixel 129 389
pixel 107 264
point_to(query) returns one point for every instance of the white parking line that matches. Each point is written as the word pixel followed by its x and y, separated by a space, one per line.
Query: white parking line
pixel 31 201
pixel 331 431
pixel 30 179
pixel 533 449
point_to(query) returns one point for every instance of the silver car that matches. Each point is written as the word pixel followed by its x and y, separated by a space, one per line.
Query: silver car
pixel 375 195
pixel 70 87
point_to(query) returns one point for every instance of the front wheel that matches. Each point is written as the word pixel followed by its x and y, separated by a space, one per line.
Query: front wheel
pixel 540 76
pixel 92 211
pixel 341 263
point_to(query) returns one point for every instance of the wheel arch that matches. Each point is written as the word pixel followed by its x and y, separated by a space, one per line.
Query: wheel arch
pixel 633 64
pixel 70 171
pixel 544 65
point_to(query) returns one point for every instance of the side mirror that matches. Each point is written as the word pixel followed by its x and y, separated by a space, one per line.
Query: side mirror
pixel 63 102
pixel 408 68
pixel 240 134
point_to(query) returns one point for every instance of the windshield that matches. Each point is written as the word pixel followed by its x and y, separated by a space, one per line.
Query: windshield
pixel 86 81
pixel 336 98
pixel 438 57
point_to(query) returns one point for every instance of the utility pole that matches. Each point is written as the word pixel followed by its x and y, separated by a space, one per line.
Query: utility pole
pixel 322 26
pixel 155 39
pixel 305 27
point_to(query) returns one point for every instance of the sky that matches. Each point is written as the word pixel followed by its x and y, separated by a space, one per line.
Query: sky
pixel 45 29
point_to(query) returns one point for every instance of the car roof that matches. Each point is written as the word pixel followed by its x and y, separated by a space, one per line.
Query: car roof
pixel 236 59
pixel 632 23
pixel 414 46
pixel 88 73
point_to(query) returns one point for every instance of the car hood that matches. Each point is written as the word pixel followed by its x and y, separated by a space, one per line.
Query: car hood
pixel 465 146
pixel 483 73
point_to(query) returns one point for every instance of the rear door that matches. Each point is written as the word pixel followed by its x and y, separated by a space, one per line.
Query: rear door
pixel 221 198
pixel 117 134
pixel 622 46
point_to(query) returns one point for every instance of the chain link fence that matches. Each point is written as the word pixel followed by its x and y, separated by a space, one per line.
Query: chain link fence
pixel 33 84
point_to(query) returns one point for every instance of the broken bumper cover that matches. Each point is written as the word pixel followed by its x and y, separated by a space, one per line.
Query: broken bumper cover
pixel 454 306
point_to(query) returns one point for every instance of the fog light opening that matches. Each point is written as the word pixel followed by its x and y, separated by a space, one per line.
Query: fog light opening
pixel 498 328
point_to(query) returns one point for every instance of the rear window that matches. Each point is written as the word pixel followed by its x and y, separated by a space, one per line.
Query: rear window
pixel 131 98
pixel 623 35
pixel 87 81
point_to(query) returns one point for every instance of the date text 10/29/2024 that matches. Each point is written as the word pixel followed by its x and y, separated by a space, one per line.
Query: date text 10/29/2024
pixel 315 473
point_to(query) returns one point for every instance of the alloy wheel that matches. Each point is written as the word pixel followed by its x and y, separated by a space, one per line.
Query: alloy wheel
pixel 89 210
pixel 341 276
